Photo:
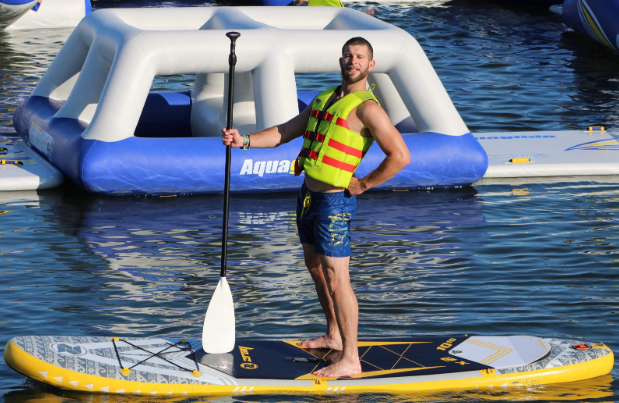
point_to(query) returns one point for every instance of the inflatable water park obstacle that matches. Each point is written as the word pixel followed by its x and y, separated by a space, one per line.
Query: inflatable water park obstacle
pixel 173 367
pixel 596 19
pixel 31 14
pixel 92 116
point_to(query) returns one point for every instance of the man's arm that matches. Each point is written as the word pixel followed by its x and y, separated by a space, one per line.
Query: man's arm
pixel 389 140
pixel 273 136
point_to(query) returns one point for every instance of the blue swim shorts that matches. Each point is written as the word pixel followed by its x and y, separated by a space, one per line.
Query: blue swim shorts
pixel 323 220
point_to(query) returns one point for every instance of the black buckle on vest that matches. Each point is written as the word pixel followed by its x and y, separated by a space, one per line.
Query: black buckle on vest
pixel 306 152
pixel 311 136
pixel 321 115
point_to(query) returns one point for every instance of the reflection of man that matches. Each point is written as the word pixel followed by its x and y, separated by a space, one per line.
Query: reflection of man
pixel 330 3
pixel 338 129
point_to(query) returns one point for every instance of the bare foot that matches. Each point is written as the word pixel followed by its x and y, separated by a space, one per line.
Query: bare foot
pixel 332 357
pixel 340 369
pixel 323 342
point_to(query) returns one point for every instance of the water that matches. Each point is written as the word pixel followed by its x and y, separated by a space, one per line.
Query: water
pixel 538 259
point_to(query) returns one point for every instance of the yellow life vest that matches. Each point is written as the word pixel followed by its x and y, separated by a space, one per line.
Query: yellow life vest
pixel 331 151
pixel 328 3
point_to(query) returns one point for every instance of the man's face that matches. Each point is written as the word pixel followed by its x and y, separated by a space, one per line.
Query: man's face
pixel 355 63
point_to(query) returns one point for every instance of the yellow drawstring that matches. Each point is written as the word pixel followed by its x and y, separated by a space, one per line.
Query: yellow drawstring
pixel 307 201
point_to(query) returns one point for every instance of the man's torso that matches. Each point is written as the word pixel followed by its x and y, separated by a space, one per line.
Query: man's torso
pixel 356 125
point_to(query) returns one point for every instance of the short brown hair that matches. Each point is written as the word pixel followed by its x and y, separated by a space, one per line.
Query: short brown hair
pixel 357 40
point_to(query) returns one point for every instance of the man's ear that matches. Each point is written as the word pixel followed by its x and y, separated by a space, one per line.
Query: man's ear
pixel 371 65
pixel 341 61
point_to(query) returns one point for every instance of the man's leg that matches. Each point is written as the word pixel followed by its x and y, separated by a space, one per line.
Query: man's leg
pixel 332 338
pixel 346 308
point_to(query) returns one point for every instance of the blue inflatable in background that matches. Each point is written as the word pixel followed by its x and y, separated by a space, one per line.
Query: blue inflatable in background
pixel 163 157
pixel 598 19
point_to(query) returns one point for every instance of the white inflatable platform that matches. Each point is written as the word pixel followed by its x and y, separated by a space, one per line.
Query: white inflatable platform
pixel 22 168
pixel 551 156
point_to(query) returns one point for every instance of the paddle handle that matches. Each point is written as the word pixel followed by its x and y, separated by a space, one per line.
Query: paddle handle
pixel 224 240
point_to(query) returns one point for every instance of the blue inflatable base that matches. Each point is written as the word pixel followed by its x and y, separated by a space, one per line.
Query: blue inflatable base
pixel 162 158
pixel 595 18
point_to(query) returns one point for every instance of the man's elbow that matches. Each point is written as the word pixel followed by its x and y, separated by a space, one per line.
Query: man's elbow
pixel 403 158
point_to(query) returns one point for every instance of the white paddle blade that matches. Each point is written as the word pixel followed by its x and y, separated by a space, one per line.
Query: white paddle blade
pixel 218 333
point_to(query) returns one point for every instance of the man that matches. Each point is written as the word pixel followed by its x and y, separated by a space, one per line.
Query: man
pixel 338 128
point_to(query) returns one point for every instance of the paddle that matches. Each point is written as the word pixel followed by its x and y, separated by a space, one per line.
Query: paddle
pixel 218 331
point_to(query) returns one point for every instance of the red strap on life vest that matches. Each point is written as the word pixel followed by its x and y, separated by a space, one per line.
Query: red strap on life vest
pixel 307 153
pixel 346 149
pixel 319 136
pixel 337 145
pixel 338 164
pixel 329 117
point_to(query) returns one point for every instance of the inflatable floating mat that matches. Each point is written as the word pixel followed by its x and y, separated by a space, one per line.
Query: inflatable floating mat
pixel 181 368
pixel 22 168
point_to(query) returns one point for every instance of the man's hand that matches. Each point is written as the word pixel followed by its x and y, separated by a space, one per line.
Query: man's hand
pixel 231 137
pixel 356 186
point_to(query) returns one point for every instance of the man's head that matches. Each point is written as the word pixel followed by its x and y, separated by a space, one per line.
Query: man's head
pixel 357 60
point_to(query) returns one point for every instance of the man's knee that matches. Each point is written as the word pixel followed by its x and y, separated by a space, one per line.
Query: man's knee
pixel 315 271
pixel 336 277
pixel 312 262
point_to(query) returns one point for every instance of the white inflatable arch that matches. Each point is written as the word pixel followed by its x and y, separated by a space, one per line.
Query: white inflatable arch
pixel 104 72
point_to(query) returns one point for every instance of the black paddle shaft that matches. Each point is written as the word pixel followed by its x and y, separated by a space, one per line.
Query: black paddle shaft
pixel 232 62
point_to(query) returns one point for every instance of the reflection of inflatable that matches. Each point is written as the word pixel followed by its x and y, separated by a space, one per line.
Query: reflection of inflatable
pixel 29 14
pixel 170 232
pixel 10 11
pixel 109 136
pixel 597 19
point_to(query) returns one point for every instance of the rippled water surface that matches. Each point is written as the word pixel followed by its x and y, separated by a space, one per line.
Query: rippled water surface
pixel 537 259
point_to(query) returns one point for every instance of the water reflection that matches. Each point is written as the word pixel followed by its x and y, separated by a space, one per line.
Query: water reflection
pixel 25 55
pixel 594 68
pixel 157 239
pixel 125 258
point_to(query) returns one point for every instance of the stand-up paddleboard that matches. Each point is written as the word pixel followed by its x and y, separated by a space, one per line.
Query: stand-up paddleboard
pixel 181 368
pixel 22 168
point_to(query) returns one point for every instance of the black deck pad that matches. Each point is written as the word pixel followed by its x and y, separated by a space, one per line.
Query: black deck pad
pixel 273 359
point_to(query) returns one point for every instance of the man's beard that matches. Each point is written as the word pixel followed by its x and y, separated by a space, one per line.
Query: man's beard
pixel 346 75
